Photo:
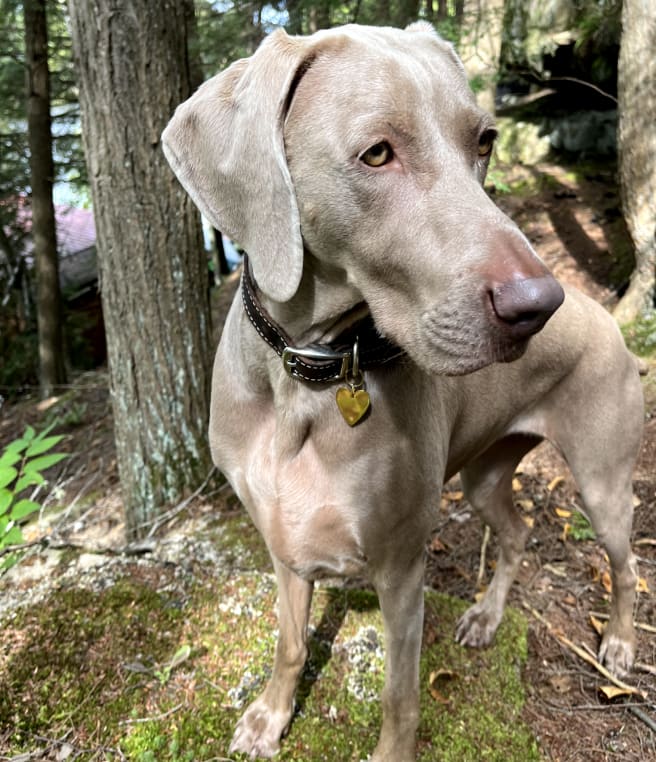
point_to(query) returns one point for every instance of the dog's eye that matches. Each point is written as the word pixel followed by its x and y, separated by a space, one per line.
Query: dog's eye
pixel 486 143
pixel 377 155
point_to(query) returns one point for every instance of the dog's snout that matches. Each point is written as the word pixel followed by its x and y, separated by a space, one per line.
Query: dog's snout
pixel 525 305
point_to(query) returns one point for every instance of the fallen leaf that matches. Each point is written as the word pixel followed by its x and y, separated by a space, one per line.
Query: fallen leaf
pixel 598 625
pixel 642 586
pixel 612 691
pixel 607 582
pixel 436 545
pixel 636 501
pixel 46 404
pixel 516 485
pixel 526 505
pixel 561 683
pixel 440 679
pixel 563 513
pixel 555 482
pixel 569 599
pixel 529 521
pixel 566 531
pixel 454 496
pixel 479 595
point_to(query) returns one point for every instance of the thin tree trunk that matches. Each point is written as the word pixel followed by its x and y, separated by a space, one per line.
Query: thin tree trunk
pixel 134 69
pixel 637 150
pixel 49 312
pixel 407 11
pixel 480 47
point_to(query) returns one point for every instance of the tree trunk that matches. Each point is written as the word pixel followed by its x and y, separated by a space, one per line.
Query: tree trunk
pixel 480 47
pixel 49 312
pixel 407 12
pixel 134 69
pixel 636 87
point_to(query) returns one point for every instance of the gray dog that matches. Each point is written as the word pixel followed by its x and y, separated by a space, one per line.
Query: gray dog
pixel 381 342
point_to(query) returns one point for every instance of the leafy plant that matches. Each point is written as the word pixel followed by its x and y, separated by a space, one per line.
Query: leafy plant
pixel 580 528
pixel 181 655
pixel 21 465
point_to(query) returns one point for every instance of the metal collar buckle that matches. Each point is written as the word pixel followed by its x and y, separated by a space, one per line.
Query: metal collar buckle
pixel 289 355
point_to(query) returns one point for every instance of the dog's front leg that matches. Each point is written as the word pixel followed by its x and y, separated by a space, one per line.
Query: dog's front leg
pixel 259 731
pixel 400 591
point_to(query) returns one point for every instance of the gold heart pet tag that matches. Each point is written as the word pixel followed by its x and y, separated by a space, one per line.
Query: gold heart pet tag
pixel 352 404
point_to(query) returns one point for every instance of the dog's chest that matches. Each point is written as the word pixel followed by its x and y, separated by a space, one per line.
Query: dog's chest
pixel 325 507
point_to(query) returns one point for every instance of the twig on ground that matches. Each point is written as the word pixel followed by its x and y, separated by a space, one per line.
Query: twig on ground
pixel 481 561
pixel 581 653
pixel 642 716
pixel 154 718
pixel 178 508
pixel 637 625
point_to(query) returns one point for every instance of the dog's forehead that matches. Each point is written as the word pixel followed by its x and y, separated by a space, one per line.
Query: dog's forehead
pixel 385 71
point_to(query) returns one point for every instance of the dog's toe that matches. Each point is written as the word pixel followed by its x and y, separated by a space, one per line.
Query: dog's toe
pixel 476 627
pixel 259 731
pixel 617 654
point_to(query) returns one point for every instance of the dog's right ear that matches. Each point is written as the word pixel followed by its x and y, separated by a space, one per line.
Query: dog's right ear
pixel 225 144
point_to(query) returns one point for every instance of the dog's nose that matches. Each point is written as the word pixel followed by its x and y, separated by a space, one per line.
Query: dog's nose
pixel 525 305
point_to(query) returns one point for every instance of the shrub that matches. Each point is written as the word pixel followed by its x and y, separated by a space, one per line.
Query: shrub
pixel 21 465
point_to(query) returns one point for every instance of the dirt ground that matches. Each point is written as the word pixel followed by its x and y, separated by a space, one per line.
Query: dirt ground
pixel 573 222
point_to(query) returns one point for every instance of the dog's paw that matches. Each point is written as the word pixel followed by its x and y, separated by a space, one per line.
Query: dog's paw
pixel 617 653
pixel 259 731
pixel 477 626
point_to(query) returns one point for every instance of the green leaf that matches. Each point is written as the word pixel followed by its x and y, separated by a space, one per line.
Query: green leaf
pixel 18 445
pixel 13 537
pixel 27 480
pixel 11 559
pixel 182 654
pixel 42 445
pixel 5 500
pixel 4 521
pixel 29 434
pixel 46 431
pixel 45 461
pixel 7 475
pixel 23 508
pixel 9 458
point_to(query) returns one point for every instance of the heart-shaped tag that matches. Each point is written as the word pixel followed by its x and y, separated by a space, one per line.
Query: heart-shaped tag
pixel 352 404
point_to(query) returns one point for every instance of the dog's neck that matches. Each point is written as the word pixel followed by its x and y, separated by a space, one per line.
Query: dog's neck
pixel 323 307
pixel 328 343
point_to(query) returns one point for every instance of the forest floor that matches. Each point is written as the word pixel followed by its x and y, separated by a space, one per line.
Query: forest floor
pixel 112 655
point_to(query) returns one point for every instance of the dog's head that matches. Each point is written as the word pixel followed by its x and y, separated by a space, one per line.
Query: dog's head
pixel 364 148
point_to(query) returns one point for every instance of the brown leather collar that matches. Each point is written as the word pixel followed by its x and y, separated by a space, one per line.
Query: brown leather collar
pixel 321 363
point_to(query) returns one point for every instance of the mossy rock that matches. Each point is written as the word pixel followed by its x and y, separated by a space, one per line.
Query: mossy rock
pixel 164 675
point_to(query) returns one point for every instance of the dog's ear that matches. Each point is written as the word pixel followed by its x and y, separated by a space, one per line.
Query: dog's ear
pixel 226 146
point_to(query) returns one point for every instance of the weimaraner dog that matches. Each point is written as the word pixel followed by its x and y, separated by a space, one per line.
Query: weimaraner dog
pixel 393 328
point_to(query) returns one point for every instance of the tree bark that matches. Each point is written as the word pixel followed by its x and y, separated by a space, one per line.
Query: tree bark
pixel 407 12
pixel 637 150
pixel 52 370
pixel 480 47
pixel 133 67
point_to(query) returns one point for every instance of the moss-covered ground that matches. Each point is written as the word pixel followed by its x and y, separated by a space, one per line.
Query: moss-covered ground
pixel 159 664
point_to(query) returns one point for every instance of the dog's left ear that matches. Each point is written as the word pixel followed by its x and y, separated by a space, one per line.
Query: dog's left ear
pixel 226 146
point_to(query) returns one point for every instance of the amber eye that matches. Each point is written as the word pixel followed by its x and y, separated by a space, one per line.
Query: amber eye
pixel 486 143
pixel 377 155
